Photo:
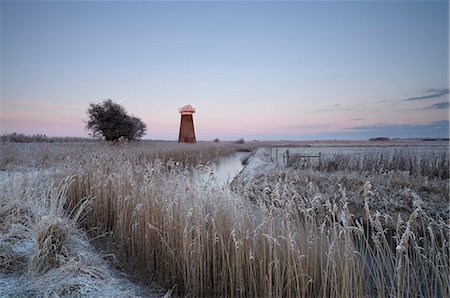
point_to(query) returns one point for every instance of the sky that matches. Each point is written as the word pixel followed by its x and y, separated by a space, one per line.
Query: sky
pixel 266 70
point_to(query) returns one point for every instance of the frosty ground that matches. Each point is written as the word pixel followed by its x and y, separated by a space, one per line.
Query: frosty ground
pixel 132 219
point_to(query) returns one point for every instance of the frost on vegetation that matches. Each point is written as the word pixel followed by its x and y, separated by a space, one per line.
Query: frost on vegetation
pixel 42 253
pixel 257 167
pixel 392 192
pixel 298 236
pixel 277 231
pixel 33 156
pixel 51 238
pixel 367 189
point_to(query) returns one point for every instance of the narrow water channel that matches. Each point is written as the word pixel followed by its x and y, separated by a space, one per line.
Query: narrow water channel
pixel 223 170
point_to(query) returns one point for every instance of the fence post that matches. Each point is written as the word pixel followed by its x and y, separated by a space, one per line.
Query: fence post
pixel 287 156
pixel 320 159
pixel 276 156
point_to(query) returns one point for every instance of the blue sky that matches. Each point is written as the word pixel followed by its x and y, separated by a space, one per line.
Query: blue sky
pixel 264 70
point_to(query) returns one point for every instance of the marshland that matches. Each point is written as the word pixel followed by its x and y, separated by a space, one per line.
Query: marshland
pixel 344 191
pixel 134 219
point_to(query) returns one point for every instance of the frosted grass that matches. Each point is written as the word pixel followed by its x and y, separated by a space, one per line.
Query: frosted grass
pixel 275 232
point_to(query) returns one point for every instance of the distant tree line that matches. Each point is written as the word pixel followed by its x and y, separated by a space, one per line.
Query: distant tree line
pixel 379 139
pixel 434 139
pixel 37 138
pixel 107 120
pixel 410 139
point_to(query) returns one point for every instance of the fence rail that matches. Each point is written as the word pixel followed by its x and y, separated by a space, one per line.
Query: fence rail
pixel 287 156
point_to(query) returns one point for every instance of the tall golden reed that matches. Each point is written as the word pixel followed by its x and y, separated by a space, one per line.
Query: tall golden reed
pixel 210 241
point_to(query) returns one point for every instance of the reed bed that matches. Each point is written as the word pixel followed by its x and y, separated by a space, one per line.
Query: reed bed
pixel 433 164
pixel 206 240
pixel 43 253
pixel 291 232
pixel 394 192
pixel 26 156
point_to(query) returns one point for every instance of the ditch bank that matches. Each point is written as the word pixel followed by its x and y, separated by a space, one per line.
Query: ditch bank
pixel 391 192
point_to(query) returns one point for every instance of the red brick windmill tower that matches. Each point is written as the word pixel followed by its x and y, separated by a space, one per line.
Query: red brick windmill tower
pixel 187 134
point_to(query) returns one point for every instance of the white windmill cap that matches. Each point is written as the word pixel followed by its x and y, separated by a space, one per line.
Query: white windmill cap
pixel 187 110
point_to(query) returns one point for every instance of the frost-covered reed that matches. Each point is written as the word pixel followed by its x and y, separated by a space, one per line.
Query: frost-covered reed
pixel 205 240
pixel 430 163
pixel 23 156
pixel 288 232
pixel 42 251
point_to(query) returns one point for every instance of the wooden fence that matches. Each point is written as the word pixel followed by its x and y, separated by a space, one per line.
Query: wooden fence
pixel 287 157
